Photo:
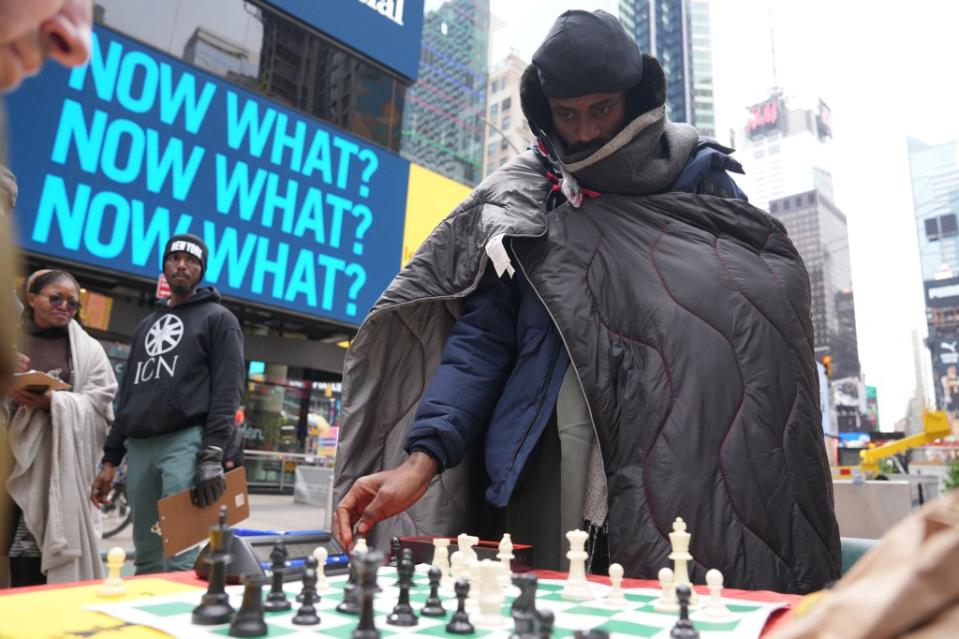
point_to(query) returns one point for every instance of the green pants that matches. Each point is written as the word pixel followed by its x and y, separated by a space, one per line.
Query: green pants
pixel 158 467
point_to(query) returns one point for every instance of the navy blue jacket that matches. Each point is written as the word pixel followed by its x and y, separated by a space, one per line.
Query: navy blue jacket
pixel 504 361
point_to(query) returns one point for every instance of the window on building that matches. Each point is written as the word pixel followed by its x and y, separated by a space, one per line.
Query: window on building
pixel 811 198
pixel 505 123
pixel 494 110
pixel 941 227
pixel 507 103
pixel 262 50
pixel 773 207
pixel 491 149
pixel 504 144
pixel 494 86
pixel 798 200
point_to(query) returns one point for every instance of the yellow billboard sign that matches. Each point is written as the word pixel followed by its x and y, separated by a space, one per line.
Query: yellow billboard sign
pixel 430 198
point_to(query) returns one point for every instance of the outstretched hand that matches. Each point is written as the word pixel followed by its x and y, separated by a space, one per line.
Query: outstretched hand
pixel 376 497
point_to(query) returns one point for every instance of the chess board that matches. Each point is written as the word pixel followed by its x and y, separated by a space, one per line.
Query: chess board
pixel 171 613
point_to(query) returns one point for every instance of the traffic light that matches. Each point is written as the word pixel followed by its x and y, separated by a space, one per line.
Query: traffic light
pixel 827 364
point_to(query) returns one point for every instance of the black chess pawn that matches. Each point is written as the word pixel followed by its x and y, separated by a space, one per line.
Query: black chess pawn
pixel 460 623
pixel 366 588
pixel 349 605
pixel 595 633
pixel 215 605
pixel 276 600
pixel 434 606
pixel 395 548
pixel 249 620
pixel 310 562
pixel 403 614
pixel 684 628
pixel 306 615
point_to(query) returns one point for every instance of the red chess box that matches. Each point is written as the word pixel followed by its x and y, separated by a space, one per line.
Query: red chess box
pixel 422 548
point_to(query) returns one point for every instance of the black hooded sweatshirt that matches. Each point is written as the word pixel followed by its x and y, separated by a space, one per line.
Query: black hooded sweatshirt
pixel 185 369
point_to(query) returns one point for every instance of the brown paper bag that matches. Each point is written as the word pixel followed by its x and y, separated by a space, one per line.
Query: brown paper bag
pixel 905 587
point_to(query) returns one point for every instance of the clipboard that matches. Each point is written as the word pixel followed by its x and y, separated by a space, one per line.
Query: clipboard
pixel 183 524
pixel 37 378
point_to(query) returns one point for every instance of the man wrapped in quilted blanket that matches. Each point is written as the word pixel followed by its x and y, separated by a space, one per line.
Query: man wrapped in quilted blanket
pixel 603 335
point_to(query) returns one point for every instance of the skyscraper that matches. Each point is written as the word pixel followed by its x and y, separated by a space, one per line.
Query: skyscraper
pixel 508 132
pixel 677 33
pixel 934 170
pixel 443 123
pixel 785 149
pixel 819 231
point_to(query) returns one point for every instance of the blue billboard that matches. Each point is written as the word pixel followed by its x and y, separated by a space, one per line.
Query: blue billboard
pixel 389 31
pixel 115 156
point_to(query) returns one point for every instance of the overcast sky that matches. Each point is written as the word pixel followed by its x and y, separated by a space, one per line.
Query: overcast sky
pixel 887 71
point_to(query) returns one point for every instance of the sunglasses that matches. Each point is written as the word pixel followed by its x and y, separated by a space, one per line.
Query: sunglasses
pixel 59 300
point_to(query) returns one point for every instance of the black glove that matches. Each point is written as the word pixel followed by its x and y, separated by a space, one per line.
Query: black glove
pixel 209 484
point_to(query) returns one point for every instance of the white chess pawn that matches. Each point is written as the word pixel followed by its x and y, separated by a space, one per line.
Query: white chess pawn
pixel 576 587
pixel 505 556
pixel 615 597
pixel 113 585
pixel 715 608
pixel 360 545
pixel 667 601
pixel 321 554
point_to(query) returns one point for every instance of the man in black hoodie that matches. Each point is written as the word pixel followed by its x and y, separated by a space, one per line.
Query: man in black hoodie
pixel 182 386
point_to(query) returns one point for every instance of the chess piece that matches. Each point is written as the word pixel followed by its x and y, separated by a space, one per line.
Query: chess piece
pixel 322 585
pixel 679 539
pixel 215 605
pixel 460 623
pixel 715 608
pixel 523 609
pixel 306 615
pixel 464 544
pixel 249 621
pixel 441 559
pixel 434 606
pixel 366 589
pixel 684 628
pixel 576 587
pixel 616 598
pixel 395 547
pixel 309 563
pixel 113 585
pixel 505 556
pixel 544 623
pixel 406 554
pixel 276 600
pixel 360 546
pixel 403 614
pixel 667 600
pixel 350 605
pixel 595 633
pixel 491 596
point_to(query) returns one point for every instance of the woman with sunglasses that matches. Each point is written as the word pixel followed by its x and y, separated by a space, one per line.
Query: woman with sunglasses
pixel 55 437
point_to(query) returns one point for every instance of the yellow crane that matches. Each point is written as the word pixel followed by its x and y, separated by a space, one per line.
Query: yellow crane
pixel 935 425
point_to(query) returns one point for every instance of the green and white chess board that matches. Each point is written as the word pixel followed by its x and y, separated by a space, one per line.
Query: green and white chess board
pixel 171 613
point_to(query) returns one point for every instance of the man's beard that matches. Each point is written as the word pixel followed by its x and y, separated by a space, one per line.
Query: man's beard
pixel 182 289
pixel 591 147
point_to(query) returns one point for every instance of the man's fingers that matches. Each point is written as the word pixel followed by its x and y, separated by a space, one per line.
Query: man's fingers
pixel 342 528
